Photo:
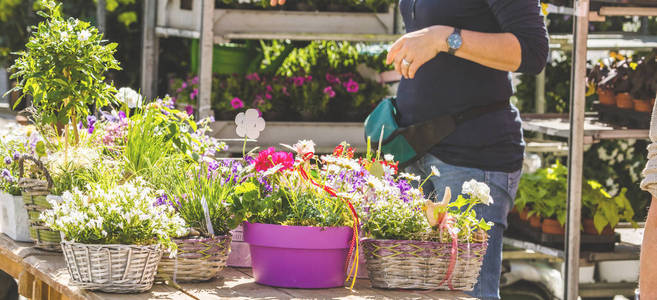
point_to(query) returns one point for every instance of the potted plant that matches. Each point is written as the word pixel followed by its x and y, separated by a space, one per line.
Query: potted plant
pixel 601 212
pixel 113 236
pixel 442 245
pixel 545 190
pixel 598 81
pixel 300 232
pixel 643 87
pixel 200 194
pixel 14 142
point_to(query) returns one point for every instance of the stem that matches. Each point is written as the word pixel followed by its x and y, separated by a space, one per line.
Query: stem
pixel 75 127
pixel 244 147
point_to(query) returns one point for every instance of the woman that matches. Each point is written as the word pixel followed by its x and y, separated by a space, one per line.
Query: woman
pixel 457 55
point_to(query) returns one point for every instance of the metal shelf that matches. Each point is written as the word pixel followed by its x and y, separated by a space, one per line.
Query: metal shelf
pixel 606 41
pixel 594 130
pixel 622 251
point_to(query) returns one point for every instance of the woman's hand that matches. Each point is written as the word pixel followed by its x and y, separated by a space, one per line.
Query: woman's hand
pixel 414 49
pixel 276 2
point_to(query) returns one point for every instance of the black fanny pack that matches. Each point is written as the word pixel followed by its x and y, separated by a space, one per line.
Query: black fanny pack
pixel 408 144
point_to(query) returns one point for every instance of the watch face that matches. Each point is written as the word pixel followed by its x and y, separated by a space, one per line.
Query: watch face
pixel 454 41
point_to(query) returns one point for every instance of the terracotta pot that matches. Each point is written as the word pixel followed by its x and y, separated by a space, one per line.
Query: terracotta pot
pixel 589 228
pixel 535 221
pixel 524 214
pixel 606 97
pixel 624 100
pixel 552 226
pixel 642 105
pixel 514 211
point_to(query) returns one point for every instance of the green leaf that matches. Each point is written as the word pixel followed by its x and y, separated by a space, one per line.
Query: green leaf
pixel 600 222
pixel 127 18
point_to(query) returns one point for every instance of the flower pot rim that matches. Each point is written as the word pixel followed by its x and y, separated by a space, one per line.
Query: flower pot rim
pixel 295 226
pixel 419 241
pixel 157 245
pixel 297 237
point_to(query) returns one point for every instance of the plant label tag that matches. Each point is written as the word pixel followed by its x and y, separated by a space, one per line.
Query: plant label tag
pixel 206 210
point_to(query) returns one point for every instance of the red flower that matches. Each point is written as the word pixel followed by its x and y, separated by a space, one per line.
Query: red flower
pixel 269 158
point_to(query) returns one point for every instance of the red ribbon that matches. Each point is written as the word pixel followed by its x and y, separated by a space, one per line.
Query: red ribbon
pixel 447 224
pixel 330 191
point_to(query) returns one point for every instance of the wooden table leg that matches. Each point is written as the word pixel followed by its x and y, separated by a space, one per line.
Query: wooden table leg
pixel 25 284
pixel 53 294
pixel 40 290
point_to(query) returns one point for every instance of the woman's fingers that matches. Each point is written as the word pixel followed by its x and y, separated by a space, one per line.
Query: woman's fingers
pixel 276 2
pixel 392 53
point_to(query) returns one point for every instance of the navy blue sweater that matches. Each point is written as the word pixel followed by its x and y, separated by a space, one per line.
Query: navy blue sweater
pixel 448 84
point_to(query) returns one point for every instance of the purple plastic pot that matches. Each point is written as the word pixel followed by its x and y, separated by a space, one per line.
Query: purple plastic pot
pixel 298 256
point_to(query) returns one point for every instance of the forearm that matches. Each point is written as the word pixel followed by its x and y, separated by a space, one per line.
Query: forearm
pixel 648 276
pixel 499 51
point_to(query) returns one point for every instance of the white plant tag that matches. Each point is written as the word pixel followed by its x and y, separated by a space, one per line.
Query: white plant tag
pixel 206 210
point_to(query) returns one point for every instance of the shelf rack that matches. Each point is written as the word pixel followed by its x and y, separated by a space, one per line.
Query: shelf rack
pixel 581 130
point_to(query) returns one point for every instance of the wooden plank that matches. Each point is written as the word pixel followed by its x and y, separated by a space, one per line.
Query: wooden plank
pixel 10 266
pixel 204 107
pixel 628 11
pixel 25 284
pixel 149 52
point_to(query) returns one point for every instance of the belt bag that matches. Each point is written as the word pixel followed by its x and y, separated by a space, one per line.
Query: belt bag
pixel 410 143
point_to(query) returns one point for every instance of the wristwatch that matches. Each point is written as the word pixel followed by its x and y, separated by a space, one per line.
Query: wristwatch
pixel 454 41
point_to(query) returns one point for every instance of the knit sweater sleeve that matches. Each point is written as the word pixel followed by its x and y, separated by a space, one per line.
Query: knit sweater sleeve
pixel 523 18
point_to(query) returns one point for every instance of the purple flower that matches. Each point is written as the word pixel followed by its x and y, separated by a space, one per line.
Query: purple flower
pixel 189 110
pixel 237 103
pixel 352 86
pixel 122 115
pixel 329 91
pixel 193 94
pixel 7 175
pixel 91 122
pixel 17 155
pixel 161 200
pixel 8 160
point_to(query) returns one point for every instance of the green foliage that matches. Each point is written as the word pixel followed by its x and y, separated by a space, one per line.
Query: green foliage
pixel 396 220
pixel 63 67
pixel 185 184
pixel 544 193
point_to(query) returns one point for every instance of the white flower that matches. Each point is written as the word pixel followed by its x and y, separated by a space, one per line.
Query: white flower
pixel 304 147
pixel 434 171
pixel 129 96
pixel 409 176
pixel 388 157
pixel 84 35
pixel 477 190
pixel 249 124
pixel 64 35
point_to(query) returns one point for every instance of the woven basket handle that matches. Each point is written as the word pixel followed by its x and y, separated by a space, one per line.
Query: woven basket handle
pixel 39 165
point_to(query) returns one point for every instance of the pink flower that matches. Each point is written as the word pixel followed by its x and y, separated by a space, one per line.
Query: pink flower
pixel 329 91
pixel 184 85
pixel 269 88
pixel 195 80
pixel 298 81
pixel 332 79
pixel 237 103
pixel 192 95
pixel 352 86
pixel 269 158
pixel 268 96
pixel 285 92
pixel 253 76
pixel 189 110
pixel 309 78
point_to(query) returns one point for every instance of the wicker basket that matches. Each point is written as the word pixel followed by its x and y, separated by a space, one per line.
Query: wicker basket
pixel 422 265
pixel 112 268
pixel 34 193
pixel 197 260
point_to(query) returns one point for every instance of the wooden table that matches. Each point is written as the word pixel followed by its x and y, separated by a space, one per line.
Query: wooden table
pixel 43 275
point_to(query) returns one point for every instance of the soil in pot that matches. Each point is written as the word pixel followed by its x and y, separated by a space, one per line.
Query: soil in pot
pixel 642 105
pixel 589 228
pixel 606 97
pixel 624 101
pixel 535 221
pixel 552 226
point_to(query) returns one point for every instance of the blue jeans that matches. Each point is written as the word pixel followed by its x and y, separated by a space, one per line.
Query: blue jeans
pixel 503 187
